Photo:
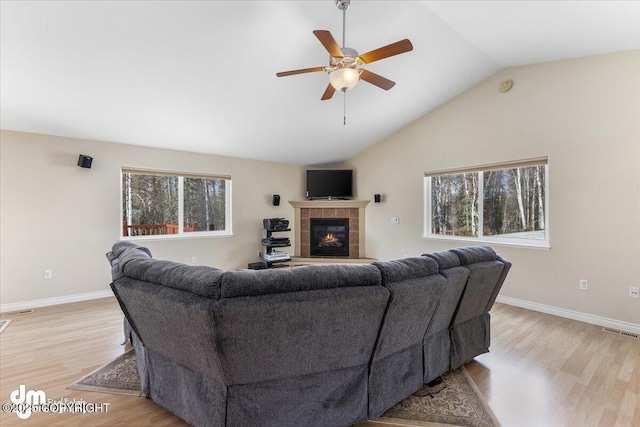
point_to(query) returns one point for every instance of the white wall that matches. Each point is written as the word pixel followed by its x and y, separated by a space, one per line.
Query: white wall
pixel 584 114
pixel 55 215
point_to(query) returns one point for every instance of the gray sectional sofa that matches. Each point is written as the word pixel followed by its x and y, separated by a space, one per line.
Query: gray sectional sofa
pixel 318 345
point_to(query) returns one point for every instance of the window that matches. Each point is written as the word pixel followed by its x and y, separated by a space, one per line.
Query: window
pixel 166 204
pixel 503 203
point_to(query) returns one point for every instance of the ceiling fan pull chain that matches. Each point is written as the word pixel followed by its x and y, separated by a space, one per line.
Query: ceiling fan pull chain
pixel 344 108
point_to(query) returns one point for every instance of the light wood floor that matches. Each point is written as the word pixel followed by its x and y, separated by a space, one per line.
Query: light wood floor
pixel 542 370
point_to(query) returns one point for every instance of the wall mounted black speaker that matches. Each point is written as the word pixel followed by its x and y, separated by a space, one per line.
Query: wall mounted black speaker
pixel 376 198
pixel 85 161
pixel 276 200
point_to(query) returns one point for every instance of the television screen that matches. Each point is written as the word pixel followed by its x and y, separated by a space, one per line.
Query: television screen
pixel 329 183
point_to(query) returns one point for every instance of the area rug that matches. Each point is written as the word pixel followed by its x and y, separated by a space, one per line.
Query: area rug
pixel 119 377
pixel 454 402
pixel 3 324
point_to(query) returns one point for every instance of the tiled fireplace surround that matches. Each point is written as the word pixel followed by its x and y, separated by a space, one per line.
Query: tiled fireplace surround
pixel 352 209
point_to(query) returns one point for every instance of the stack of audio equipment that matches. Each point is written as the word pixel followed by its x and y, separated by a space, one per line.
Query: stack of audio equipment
pixel 271 255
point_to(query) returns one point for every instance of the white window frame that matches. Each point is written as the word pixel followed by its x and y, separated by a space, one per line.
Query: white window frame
pixel 181 233
pixel 506 241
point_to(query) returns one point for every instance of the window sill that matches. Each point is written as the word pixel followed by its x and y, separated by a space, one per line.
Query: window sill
pixel 544 246
pixel 195 235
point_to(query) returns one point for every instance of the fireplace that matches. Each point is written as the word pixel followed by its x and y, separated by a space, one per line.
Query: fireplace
pixel 329 209
pixel 329 237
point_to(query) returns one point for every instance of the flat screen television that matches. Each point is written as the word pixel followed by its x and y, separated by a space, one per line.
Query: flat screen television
pixel 329 183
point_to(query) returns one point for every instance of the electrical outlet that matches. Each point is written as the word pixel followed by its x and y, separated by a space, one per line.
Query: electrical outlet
pixel 584 284
pixel 47 274
pixel 395 220
pixel 634 292
pixel 194 260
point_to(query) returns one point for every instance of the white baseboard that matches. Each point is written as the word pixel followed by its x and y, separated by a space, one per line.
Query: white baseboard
pixel 573 315
pixel 6 308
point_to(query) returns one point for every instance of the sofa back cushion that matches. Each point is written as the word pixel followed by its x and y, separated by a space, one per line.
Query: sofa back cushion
pixel 450 267
pixel 444 259
pixel 416 288
pixel 113 256
pixel 280 330
pixel 172 322
pixel 306 278
pixel 486 273
pixel 135 262
pixel 397 364
pixel 200 280
pixel 169 305
pixel 503 276
pixel 122 245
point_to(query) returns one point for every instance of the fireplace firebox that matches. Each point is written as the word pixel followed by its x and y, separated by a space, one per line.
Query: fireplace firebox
pixel 329 237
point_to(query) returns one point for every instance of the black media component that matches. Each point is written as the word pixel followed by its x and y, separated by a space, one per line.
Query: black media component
pixel 329 183
pixel 276 200
pixel 276 242
pixel 275 224
pixel 260 265
pixel 85 161
pixel 435 382
pixel 376 198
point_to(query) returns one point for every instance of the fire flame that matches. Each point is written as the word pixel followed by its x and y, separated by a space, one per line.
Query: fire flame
pixel 330 240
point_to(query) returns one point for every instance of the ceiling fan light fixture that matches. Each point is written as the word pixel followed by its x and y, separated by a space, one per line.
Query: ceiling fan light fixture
pixel 344 78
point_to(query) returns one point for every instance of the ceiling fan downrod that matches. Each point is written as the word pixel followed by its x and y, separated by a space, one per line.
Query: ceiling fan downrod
pixel 343 5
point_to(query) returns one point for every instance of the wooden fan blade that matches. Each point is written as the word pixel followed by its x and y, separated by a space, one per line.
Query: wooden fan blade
pixel 386 51
pixel 376 80
pixel 329 43
pixel 302 71
pixel 328 93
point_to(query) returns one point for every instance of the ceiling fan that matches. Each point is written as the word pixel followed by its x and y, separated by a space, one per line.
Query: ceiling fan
pixel 344 62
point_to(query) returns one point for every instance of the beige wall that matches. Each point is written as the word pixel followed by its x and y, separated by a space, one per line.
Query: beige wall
pixel 56 215
pixel 584 114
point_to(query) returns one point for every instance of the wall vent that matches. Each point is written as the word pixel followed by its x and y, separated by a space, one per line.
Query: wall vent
pixel 621 333
pixel 17 313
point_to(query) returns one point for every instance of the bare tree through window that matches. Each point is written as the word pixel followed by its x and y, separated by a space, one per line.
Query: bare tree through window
pixel 156 204
pixel 499 202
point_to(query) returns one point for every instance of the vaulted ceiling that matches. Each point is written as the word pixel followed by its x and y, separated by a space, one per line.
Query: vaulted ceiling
pixel 200 75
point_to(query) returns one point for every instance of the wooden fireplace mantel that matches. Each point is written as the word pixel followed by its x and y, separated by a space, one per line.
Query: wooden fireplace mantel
pixel 329 204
